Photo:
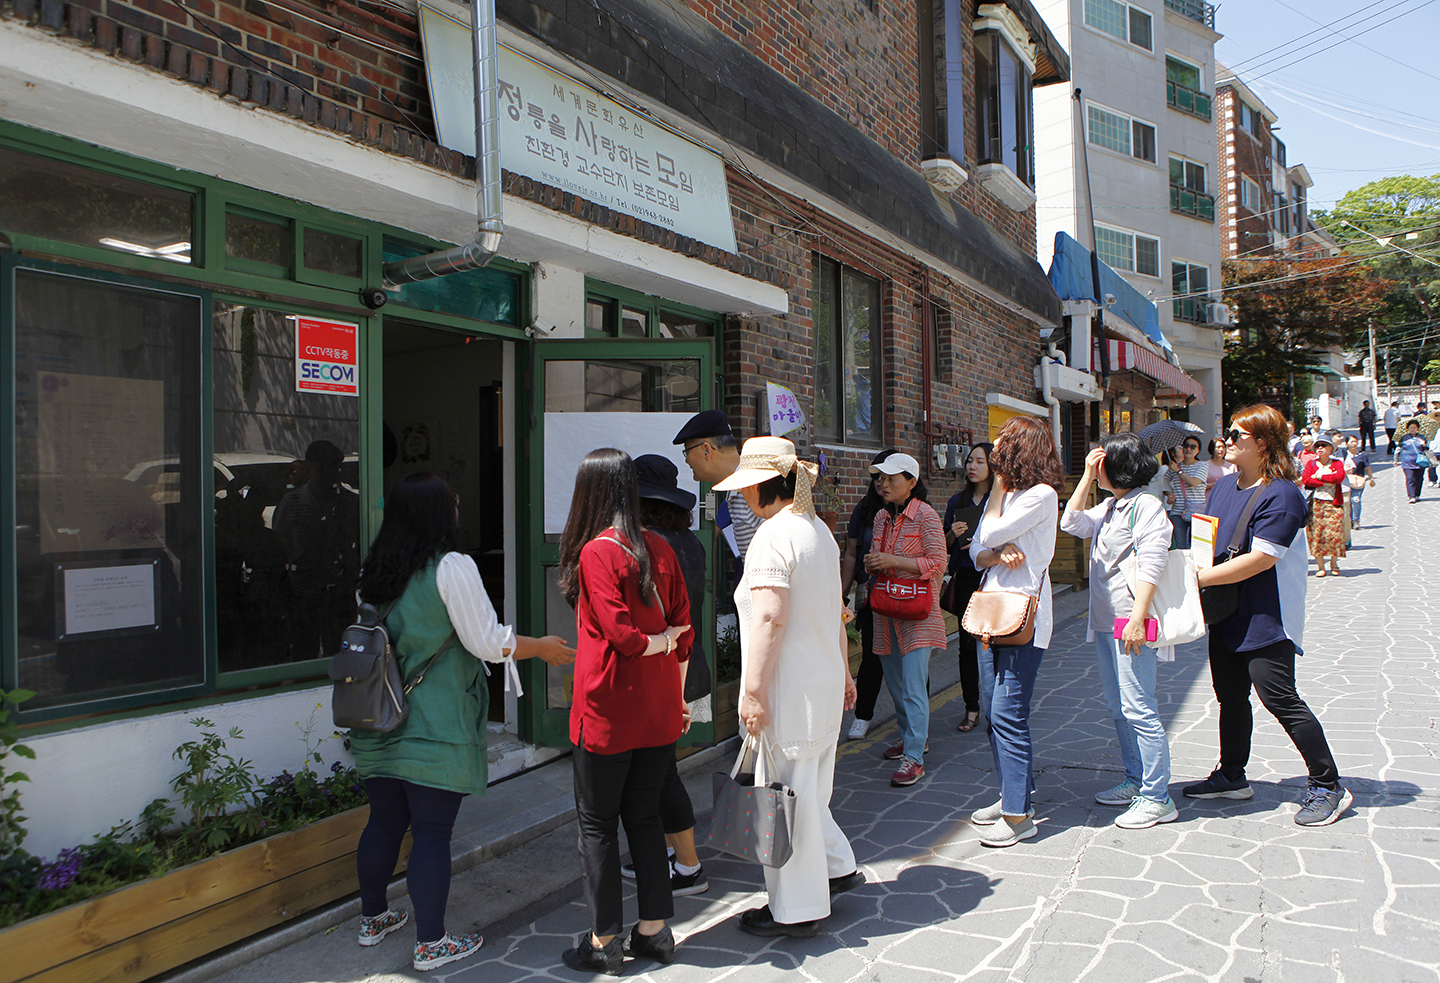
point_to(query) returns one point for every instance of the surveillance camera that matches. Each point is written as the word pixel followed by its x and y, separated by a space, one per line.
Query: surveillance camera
pixel 1111 300
pixel 374 297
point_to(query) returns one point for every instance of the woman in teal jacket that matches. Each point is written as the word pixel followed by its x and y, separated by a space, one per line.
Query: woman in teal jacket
pixel 417 774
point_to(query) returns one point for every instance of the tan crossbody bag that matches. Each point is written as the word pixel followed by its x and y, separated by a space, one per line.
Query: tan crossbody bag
pixel 1000 617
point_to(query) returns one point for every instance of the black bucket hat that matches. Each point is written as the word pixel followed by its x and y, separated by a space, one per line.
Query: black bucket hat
pixel 657 478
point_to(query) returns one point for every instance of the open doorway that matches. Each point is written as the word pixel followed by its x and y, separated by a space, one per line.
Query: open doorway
pixel 443 399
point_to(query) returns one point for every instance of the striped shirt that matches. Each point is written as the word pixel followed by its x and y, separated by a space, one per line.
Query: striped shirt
pixel 916 533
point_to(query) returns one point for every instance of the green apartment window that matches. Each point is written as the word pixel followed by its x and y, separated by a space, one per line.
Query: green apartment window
pixel 110 489
pixel 847 355
pixel 1183 89
pixel 487 294
pixel 1190 283
pixel 337 255
pixel 615 312
pixel 287 501
pixel 54 199
pixel 256 243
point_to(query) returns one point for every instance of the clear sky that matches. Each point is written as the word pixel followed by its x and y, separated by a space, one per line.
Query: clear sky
pixel 1356 85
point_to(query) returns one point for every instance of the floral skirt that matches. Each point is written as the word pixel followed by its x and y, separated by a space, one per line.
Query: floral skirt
pixel 1326 532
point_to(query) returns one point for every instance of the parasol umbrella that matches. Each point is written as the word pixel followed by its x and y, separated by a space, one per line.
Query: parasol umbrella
pixel 1162 436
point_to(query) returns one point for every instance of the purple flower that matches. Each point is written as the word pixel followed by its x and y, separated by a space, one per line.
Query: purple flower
pixel 62 873
pixel 336 768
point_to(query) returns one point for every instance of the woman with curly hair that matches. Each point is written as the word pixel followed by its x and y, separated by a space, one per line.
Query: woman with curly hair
pixel 1014 544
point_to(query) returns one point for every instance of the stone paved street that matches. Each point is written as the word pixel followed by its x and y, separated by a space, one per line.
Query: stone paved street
pixel 1232 891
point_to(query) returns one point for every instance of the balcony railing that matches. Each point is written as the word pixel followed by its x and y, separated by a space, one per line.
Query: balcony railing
pixel 1196 310
pixel 1194 203
pixel 1196 10
pixel 1187 100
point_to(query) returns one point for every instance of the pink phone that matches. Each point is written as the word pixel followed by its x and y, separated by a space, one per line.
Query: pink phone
pixel 1152 628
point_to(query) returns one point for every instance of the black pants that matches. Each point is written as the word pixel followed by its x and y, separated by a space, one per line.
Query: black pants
pixel 429 813
pixel 1271 671
pixel 870 676
pixel 611 789
pixel 969 582
pixel 1367 433
pixel 676 813
pixel 1414 481
pixel 1390 436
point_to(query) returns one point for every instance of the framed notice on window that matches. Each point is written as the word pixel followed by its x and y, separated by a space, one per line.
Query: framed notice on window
pixel 102 599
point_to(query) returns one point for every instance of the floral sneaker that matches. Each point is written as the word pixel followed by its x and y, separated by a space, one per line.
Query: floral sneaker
pixel 372 930
pixel 447 949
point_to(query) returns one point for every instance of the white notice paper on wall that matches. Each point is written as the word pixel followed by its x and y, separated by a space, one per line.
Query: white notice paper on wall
pixel 570 436
pixel 109 598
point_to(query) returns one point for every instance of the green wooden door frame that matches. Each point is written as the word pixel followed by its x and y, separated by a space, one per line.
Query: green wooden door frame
pixel 538 723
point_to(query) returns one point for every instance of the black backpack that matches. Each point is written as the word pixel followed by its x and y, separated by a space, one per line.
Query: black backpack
pixel 368 693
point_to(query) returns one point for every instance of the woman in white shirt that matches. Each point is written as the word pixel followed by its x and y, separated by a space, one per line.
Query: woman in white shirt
pixel 1014 544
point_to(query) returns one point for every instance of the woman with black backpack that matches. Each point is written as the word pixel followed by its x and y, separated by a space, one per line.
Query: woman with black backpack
pixel 434 605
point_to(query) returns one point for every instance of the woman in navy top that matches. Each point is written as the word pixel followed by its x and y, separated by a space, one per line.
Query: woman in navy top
pixel 1257 645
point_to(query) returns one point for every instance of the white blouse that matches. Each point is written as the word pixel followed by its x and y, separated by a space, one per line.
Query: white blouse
pixel 476 624
pixel 1028 519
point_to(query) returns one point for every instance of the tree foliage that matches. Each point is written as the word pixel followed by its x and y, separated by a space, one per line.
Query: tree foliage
pixel 1287 313
pixel 1394 224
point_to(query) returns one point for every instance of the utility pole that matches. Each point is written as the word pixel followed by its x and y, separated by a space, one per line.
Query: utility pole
pixel 1374 366
pixel 1386 352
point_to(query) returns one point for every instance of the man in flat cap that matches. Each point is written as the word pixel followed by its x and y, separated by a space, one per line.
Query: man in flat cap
pixel 713 453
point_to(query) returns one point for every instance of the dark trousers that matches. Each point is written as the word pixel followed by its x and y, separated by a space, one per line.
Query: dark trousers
pixel 1271 671
pixel 870 676
pixel 1390 436
pixel 1414 481
pixel 969 582
pixel 429 813
pixel 1367 433
pixel 611 789
pixel 676 813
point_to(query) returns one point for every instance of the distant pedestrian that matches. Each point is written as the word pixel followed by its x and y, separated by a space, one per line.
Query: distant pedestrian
pixel 1366 420
pixel 859 535
pixel 1255 647
pixel 795 679
pixel 909 544
pixel 1186 475
pixel 1392 420
pixel 1324 530
pixel 965 579
pixel 1217 467
pixel 1358 464
pixel 632 619
pixel 1129 526
pixel 1014 545
pixel 1414 459
pixel 417 774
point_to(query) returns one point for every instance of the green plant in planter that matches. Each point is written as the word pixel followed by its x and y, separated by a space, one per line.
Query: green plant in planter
pixel 213 784
pixel 12 823
pixel 727 654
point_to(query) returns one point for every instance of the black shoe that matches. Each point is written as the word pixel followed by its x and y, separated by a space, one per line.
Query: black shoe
pixel 759 921
pixel 1217 786
pixel 684 885
pixel 847 882
pixel 588 959
pixel 660 946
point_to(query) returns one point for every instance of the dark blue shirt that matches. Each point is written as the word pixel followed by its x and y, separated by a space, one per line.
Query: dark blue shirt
pixel 960 549
pixel 1278 518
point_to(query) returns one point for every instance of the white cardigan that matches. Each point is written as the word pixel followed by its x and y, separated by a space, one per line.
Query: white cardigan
pixel 1028 519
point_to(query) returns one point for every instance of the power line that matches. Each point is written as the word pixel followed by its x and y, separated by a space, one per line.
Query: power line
pixel 1372 27
pixel 1366 47
pixel 1307 34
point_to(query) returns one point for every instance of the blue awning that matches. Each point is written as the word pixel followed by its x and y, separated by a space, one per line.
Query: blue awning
pixel 1072 277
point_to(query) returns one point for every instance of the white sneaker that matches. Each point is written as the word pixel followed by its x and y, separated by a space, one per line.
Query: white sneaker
pixel 990 815
pixel 1120 795
pixel 1144 813
pixel 1003 834
pixel 858 729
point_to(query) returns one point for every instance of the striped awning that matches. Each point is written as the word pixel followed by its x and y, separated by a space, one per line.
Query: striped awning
pixel 1130 356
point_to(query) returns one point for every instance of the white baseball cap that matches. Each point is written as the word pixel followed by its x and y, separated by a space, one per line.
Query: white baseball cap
pixel 896 463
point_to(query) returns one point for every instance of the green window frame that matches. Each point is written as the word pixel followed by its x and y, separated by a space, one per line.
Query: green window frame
pixel 618 312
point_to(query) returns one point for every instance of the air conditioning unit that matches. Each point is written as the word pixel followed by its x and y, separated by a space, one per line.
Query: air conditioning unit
pixel 1067 384
pixel 1218 314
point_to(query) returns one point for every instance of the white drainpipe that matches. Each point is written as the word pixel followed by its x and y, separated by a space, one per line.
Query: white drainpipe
pixel 1049 397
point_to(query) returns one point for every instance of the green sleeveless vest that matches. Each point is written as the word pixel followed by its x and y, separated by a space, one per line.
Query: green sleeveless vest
pixel 442 744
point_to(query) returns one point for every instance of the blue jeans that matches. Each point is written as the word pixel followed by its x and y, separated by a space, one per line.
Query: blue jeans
pixel 1008 709
pixel 1355 495
pixel 1128 682
pixel 908 677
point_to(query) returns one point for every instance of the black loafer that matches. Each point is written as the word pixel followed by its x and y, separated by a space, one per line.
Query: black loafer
pixel 588 959
pixel 759 921
pixel 660 946
pixel 847 882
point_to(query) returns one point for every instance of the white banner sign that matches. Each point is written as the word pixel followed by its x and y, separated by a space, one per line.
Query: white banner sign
pixel 784 409
pixel 568 136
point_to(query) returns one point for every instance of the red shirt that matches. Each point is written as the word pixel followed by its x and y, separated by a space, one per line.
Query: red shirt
pixel 624 699
pixel 1319 477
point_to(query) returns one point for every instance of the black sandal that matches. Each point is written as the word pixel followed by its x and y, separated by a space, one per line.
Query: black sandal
pixel 970 722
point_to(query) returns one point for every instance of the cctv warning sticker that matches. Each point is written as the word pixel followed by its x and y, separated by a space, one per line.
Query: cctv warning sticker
pixel 327 357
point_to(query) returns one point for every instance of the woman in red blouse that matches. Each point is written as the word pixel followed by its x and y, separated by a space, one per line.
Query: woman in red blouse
pixel 632 617
pixel 1325 532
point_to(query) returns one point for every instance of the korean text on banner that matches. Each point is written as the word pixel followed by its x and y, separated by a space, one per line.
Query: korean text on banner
pixel 327 357
pixel 784 410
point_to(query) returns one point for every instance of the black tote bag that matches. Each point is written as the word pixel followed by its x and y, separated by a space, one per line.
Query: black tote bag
pixel 754 819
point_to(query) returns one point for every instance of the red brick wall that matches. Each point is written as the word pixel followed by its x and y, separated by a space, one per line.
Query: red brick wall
pixel 1248 159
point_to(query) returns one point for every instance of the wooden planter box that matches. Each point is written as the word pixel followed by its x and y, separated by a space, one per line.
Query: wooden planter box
pixel 146 928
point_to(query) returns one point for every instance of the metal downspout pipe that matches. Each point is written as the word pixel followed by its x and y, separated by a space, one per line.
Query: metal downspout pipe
pixel 488 206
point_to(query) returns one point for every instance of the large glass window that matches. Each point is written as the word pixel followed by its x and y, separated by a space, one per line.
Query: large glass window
pixel 848 381
pixel 1128 251
pixel 1183 89
pixel 58 200
pixel 1121 21
pixel 1121 133
pixel 109 489
pixel 287 502
pixel 1003 89
pixel 1189 284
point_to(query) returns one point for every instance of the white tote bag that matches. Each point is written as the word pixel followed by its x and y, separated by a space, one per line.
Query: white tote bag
pixel 1176 605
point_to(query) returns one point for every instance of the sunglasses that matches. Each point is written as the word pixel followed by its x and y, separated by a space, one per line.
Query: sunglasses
pixel 1233 435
